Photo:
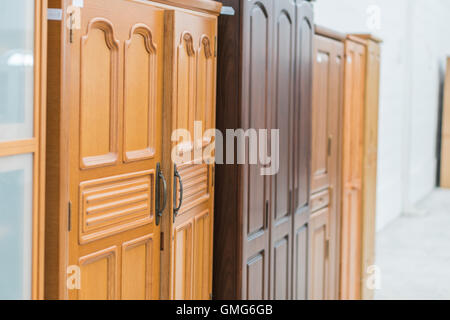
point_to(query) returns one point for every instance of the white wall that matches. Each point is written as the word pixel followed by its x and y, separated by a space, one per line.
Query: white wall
pixel 415 35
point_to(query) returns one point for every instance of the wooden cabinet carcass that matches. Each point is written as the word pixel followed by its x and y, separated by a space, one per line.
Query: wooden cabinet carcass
pixel 265 82
pixel 110 176
pixel 328 80
pixel 352 167
pixel 445 146
pixel 370 158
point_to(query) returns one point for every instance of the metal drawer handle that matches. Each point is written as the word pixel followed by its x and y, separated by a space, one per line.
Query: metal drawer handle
pixel 176 209
pixel 160 210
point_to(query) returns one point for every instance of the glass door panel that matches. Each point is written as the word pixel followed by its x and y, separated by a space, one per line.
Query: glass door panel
pixel 16 69
pixel 16 207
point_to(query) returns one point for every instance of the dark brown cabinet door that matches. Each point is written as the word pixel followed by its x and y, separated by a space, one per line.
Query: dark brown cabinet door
pixel 283 120
pixel 326 111
pixel 264 82
pixel 302 147
pixel 256 104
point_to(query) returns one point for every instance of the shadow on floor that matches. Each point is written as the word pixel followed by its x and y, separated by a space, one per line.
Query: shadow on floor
pixel 413 253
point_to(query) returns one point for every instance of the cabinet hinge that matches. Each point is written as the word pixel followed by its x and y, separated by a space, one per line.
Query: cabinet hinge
pixel 213 178
pixel 71 28
pixel 330 145
pixel 69 216
pixel 215 46
pixel 162 241
pixel 327 248
pixel 267 214
pixel 330 196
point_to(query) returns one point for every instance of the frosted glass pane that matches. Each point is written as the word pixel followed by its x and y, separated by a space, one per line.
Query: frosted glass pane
pixel 16 203
pixel 16 69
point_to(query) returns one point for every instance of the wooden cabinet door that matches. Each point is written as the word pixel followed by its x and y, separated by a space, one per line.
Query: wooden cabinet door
pixel 352 169
pixel 369 193
pixel 445 149
pixel 326 116
pixel 194 80
pixel 113 87
pixel 283 120
pixel 256 107
pixel 327 97
pixel 302 147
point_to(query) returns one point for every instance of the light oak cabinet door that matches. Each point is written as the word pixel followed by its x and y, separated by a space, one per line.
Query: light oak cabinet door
pixel 319 259
pixel 192 44
pixel 370 157
pixel 115 145
pixel 352 167
pixel 369 195
pixel 445 149
pixel 120 84
pixel 326 122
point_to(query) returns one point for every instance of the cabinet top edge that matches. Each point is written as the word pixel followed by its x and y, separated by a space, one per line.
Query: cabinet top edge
pixel 357 39
pixel 367 36
pixel 207 6
pixel 329 33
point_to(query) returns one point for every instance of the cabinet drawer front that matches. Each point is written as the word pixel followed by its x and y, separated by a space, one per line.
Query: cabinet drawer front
pixel 320 200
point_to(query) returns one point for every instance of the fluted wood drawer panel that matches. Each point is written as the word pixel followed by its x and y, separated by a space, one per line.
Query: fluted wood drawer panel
pixel 115 204
pixel 195 185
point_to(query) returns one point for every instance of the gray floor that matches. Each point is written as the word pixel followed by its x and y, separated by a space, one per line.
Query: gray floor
pixel 413 253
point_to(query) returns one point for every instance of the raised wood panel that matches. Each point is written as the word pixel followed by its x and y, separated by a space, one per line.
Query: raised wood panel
pixel 445 150
pixel 321 138
pixel 140 94
pixel 186 87
pixel 182 262
pixel 282 113
pixel 99 274
pixel 303 108
pixel 137 269
pixel 258 104
pixel 115 204
pixel 256 278
pixel 352 170
pixel 281 269
pixel 319 255
pixel 99 100
pixel 206 75
pixel 285 67
pixel 300 272
pixel 202 255
pixel 256 108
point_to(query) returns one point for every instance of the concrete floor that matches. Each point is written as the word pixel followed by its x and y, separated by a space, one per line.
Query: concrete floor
pixel 413 253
